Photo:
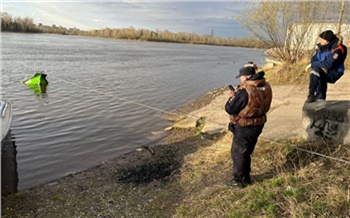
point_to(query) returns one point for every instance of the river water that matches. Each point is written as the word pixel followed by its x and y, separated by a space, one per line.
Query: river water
pixel 103 96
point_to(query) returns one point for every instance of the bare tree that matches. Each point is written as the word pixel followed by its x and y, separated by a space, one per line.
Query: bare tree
pixel 290 27
pixel 341 16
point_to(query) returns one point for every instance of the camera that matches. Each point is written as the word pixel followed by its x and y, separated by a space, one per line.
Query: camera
pixel 231 88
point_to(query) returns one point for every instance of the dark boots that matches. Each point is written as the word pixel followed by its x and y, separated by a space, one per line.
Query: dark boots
pixel 310 98
pixel 238 183
pixel 235 184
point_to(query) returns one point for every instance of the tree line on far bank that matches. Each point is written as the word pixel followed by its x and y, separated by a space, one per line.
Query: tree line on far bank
pixel 18 24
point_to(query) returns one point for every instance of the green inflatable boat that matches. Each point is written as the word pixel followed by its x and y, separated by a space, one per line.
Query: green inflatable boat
pixel 39 79
pixel 38 83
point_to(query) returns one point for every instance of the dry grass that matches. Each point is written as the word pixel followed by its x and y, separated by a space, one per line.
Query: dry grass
pixel 288 183
pixel 288 74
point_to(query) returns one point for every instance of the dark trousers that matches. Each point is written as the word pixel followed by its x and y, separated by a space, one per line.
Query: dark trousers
pixel 319 84
pixel 241 149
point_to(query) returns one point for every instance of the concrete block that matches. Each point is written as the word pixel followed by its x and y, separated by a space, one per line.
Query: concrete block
pixel 326 121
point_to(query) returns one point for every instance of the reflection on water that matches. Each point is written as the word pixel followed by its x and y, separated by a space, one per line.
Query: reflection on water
pixel 39 90
pixel 9 175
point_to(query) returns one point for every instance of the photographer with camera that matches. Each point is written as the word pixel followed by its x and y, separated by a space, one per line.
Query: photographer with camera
pixel 247 107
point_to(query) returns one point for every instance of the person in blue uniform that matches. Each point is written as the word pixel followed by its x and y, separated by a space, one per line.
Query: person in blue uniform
pixel 326 65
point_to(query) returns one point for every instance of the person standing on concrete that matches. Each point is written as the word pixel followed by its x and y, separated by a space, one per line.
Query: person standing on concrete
pixel 247 107
pixel 327 65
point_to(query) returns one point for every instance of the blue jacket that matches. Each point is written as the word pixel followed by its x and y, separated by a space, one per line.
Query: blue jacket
pixel 330 57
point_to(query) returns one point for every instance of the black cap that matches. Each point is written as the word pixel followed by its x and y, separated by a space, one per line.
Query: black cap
pixel 246 71
pixel 327 35
pixel 251 64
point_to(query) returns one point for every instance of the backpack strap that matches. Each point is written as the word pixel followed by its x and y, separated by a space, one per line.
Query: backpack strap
pixel 340 47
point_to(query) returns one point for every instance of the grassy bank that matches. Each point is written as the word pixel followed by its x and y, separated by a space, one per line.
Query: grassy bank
pixel 288 183
pixel 186 178
pixel 287 74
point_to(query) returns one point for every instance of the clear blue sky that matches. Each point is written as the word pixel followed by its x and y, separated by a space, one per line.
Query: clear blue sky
pixel 176 16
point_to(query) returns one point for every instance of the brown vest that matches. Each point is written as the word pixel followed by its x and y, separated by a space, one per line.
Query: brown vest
pixel 259 101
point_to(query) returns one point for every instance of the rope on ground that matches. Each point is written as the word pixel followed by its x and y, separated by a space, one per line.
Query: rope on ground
pixel 308 151
pixel 196 117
